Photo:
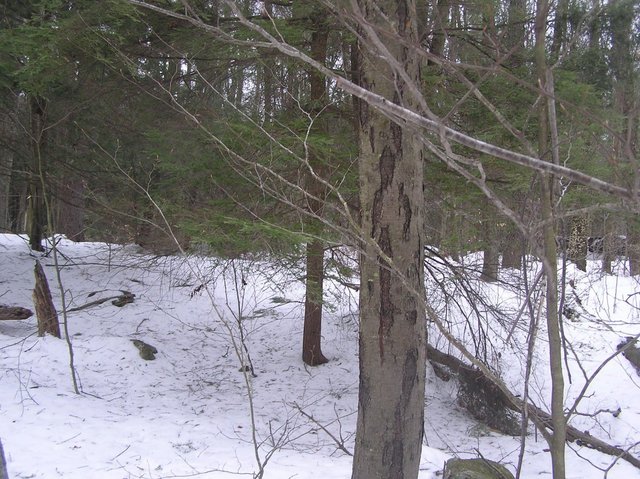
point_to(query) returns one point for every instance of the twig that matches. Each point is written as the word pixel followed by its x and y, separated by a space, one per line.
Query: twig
pixel 339 443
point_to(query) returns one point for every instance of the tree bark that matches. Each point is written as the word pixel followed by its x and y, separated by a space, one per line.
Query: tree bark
pixel 392 335
pixel 36 211
pixel 512 249
pixel 6 167
pixel 45 309
pixel 490 258
pixel 312 332
pixel 549 257
pixel 70 209
pixel 578 241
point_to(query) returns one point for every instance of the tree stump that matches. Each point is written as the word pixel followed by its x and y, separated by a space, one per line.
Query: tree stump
pixel 45 309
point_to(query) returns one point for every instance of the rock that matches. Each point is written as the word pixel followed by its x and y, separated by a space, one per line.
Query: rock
pixel 147 352
pixel 475 469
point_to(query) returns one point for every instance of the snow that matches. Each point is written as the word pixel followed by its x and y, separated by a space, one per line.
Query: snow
pixel 188 413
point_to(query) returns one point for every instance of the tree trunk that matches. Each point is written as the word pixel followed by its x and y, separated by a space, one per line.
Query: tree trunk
pixel 70 209
pixel 558 437
pixel 516 31
pixel 559 29
pixel 512 249
pixel 578 242
pixel 36 211
pixel 45 309
pixel 392 335
pixel 491 258
pixel 608 244
pixel 6 165
pixel 633 246
pixel 312 333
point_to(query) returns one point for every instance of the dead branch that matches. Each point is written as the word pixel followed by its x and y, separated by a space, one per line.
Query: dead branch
pixel 125 297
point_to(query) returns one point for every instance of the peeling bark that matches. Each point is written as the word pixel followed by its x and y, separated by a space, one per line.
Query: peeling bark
pixel 392 320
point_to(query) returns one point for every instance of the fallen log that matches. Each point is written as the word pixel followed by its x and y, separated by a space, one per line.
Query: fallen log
pixel 537 415
pixel 13 313
pixel 120 300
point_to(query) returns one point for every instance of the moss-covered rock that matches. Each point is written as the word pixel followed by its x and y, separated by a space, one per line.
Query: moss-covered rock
pixel 475 469
pixel 147 352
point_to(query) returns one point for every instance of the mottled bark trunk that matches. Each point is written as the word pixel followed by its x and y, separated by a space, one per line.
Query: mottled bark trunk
pixel 45 309
pixel 392 320
pixel 577 246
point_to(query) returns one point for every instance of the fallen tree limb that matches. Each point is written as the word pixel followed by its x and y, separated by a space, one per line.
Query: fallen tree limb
pixel 12 313
pixel 125 296
pixel 538 416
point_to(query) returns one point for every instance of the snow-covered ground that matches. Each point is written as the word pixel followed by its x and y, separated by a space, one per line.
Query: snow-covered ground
pixel 196 411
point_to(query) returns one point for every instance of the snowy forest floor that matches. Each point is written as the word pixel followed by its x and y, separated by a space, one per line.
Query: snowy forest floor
pixel 187 413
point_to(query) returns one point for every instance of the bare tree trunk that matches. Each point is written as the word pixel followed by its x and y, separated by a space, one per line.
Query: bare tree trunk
pixel 45 309
pixel 558 437
pixel 6 165
pixel 36 214
pixel 490 259
pixel 392 319
pixel 512 249
pixel 516 31
pixel 312 333
pixel 559 28
pixel 70 209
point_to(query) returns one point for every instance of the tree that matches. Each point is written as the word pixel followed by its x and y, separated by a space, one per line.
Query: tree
pixel 392 344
